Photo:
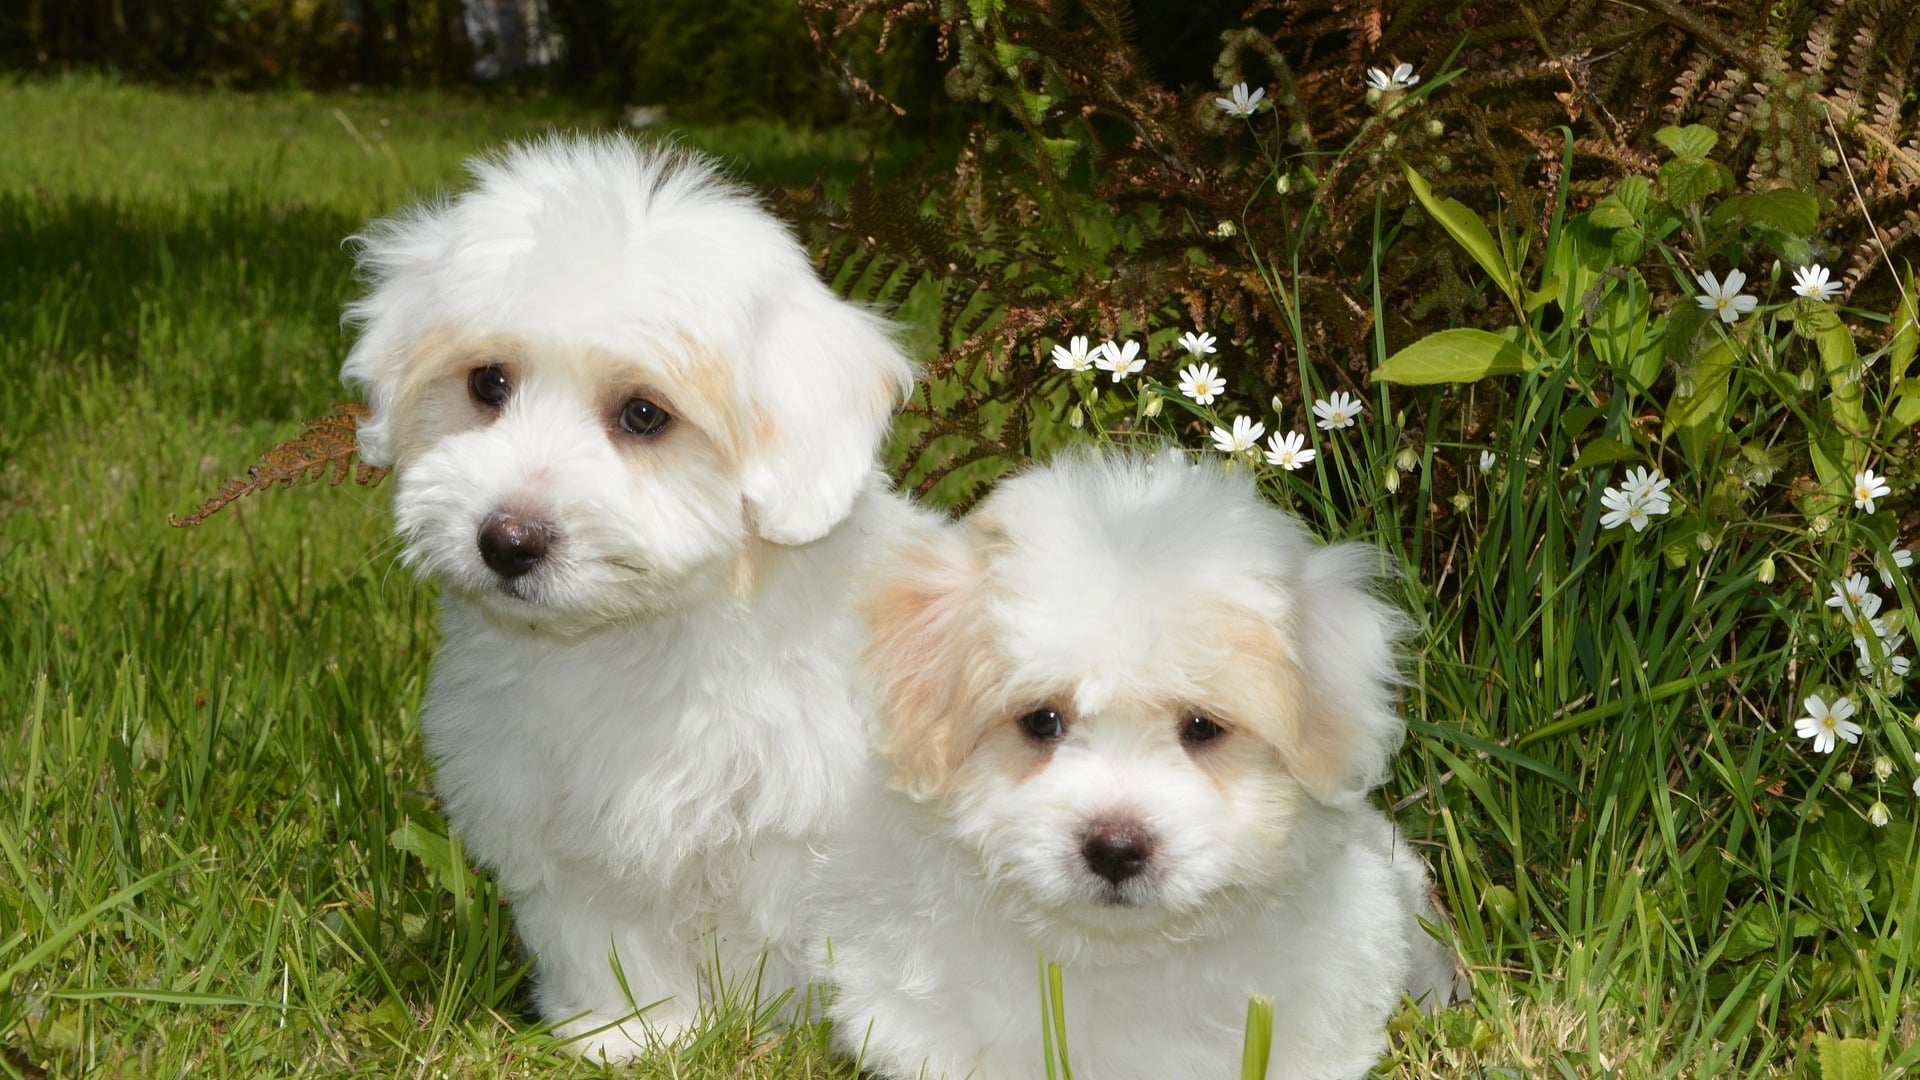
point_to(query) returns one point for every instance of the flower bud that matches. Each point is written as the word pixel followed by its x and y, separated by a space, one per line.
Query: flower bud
pixel 1151 406
pixel 1877 814
pixel 1806 379
pixel 1488 459
pixel 1279 407
pixel 1392 481
pixel 1764 573
pixel 1882 768
pixel 1077 418
pixel 1843 781
pixel 1284 184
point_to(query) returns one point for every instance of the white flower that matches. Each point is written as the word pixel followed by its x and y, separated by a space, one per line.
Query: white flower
pixel 1890 646
pixel 1868 487
pixel 1073 356
pixel 1289 451
pixel 1882 768
pixel 1727 299
pixel 1877 814
pixel 1122 360
pixel 1202 383
pixel 1200 344
pixel 1811 282
pixel 1916 786
pixel 1825 723
pixel 1402 78
pixel 1488 461
pixel 1897 559
pixel 1852 592
pixel 1649 488
pixel 1241 103
pixel 1622 509
pixel 1245 434
pixel 1337 411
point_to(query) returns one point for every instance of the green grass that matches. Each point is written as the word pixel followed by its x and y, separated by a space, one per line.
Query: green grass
pixel 218 848
pixel 211 745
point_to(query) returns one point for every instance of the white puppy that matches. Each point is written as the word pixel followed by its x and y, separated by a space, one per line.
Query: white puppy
pixel 634 443
pixel 1132 714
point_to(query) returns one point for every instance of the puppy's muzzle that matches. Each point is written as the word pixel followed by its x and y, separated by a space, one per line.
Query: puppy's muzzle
pixel 512 545
pixel 1116 850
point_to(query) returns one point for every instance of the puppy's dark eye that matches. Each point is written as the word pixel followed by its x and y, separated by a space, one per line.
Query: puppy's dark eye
pixel 1044 725
pixel 489 386
pixel 1197 730
pixel 642 417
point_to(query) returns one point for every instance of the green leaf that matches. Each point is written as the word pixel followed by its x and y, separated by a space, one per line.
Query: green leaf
pixel 1628 245
pixel 1467 230
pixel 1900 352
pixel 1454 356
pixel 1847 1059
pixel 1685 181
pixel 1702 415
pixel 1846 398
pixel 1604 451
pixel 1257 1043
pixel 1784 209
pixel 1692 141
pixel 1579 256
pixel 439 854
pixel 1608 213
pixel 1547 293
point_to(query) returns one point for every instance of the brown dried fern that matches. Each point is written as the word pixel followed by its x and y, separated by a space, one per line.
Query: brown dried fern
pixel 324 450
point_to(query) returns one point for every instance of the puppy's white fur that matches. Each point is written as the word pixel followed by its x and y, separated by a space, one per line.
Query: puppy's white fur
pixel 642 734
pixel 1137 599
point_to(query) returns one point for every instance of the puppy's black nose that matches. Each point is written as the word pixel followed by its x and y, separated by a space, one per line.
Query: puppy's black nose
pixel 1116 850
pixel 514 545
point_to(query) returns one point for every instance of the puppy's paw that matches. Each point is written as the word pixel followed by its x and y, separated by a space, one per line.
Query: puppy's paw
pixel 618 1040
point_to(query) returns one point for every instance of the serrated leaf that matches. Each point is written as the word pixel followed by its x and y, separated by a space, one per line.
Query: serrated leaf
pixel 1454 356
pixel 1784 209
pixel 1609 213
pixel 1688 180
pixel 1466 229
pixel 1692 141
pixel 1628 245
pixel 1604 451
pixel 1847 1059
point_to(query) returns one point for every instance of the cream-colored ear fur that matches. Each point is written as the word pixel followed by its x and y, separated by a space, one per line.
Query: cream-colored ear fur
pixel 928 660
pixel 1344 646
pixel 827 378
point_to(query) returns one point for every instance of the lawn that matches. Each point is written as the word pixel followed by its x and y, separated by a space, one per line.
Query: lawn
pixel 219 853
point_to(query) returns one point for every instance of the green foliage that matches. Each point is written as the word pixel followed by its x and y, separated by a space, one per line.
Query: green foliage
pixel 1649 871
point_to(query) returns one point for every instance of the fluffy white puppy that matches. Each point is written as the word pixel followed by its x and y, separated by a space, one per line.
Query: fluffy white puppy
pixel 634 437
pixel 1131 716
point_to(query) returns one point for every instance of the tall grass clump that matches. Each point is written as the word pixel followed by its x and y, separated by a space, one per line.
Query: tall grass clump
pixel 1624 396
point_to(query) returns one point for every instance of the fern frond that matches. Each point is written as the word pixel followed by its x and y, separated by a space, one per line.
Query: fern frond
pixel 324 450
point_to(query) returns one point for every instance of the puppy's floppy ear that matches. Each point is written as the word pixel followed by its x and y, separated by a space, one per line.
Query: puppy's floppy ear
pixel 924 657
pixel 826 379
pixel 1346 667
pixel 394 257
